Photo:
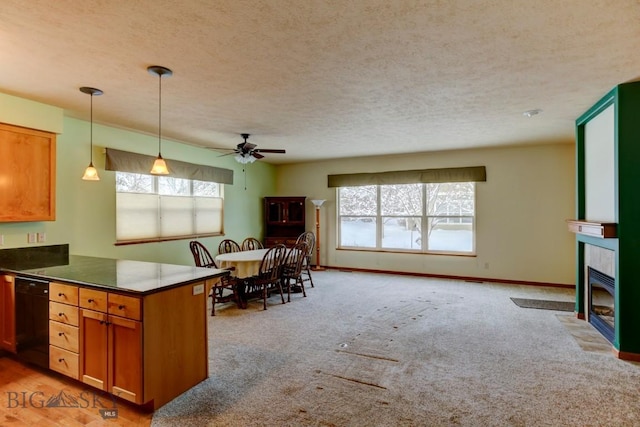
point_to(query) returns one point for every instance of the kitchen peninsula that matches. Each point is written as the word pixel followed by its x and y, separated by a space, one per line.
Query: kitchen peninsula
pixel 137 330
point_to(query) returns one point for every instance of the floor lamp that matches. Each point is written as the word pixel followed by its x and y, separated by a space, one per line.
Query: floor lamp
pixel 317 204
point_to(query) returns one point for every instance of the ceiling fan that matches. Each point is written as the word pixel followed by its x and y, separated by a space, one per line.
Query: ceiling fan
pixel 246 152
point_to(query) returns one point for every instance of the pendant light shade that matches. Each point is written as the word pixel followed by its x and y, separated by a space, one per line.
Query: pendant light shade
pixel 90 173
pixel 159 165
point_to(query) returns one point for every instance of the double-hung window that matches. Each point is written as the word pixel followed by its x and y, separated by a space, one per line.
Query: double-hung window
pixel 421 217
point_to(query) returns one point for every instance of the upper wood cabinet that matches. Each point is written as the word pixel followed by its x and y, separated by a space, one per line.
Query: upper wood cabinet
pixel 27 175
pixel 284 219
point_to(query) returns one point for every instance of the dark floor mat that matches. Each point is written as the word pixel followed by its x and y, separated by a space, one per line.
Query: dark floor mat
pixel 545 304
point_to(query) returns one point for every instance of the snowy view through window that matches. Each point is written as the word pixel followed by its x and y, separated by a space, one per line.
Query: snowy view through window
pixel 435 217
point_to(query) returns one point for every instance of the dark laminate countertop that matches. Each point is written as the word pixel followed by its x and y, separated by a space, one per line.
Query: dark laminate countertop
pixel 137 277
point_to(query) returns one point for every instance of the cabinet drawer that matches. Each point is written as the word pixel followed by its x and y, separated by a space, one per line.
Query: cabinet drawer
pixel 93 300
pixel 63 361
pixel 63 313
pixel 124 306
pixel 63 336
pixel 67 294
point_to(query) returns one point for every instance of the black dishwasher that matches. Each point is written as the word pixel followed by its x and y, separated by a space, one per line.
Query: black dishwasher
pixel 32 321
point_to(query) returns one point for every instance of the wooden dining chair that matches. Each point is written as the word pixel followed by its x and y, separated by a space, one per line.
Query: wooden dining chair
pixel 224 290
pixel 310 239
pixel 227 246
pixel 292 269
pixel 250 244
pixel 269 275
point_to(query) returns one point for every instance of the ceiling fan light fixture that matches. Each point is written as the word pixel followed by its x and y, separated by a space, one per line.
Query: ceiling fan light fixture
pixel 244 159
pixel 91 173
pixel 159 165
pixel 247 152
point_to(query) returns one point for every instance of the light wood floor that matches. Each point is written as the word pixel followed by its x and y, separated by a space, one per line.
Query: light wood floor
pixel 26 391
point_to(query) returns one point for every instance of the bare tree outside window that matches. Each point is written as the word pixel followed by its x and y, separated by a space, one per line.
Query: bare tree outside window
pixel 134 183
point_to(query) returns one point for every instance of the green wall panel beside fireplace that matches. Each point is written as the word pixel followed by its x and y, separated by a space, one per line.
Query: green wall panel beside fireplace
pixel 625 138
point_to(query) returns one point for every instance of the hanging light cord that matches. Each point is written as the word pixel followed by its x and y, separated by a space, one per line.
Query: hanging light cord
pixel 160 114
pixel 91 133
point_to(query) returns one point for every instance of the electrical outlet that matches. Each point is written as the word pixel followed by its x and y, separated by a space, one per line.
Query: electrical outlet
pixel 42 237
pixel 31 237
pixel 198 289
pixel 1 239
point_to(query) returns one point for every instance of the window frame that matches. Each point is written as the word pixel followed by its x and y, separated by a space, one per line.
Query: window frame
pixel 155 192
pixel 424 217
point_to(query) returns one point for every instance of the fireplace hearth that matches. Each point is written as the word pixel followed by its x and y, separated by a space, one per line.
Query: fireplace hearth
pixel 602 293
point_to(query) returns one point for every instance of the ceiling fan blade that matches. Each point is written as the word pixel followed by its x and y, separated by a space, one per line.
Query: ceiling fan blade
pixel 267 150
pixel 257 155
pixel 246 146
pixel 227 154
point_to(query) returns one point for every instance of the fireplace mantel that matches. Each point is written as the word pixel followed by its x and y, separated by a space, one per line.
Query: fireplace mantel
pixel 604 230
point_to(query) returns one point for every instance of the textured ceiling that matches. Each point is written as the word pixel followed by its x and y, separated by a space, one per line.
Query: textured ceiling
pixel 325 79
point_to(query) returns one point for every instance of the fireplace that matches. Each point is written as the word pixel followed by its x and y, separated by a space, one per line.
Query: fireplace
pixel 602 293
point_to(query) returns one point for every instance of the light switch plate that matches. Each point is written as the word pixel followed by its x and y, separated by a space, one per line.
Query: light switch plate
pixel 42 237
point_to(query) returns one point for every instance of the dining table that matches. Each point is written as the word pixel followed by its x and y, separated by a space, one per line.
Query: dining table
pixel 242 264
pixel 245 264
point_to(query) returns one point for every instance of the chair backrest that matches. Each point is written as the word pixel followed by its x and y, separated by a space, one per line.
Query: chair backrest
pixel 201 255
pixel 310 239
pixel 227 246
pixel 272 262
pixel 250 244
pixel 295 259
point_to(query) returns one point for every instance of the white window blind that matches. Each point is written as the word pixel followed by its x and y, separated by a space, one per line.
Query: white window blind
pixel 150 208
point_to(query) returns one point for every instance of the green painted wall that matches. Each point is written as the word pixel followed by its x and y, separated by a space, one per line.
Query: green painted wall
pixel 85 211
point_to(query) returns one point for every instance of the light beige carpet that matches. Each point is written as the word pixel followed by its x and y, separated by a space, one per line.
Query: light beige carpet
pixel 383 350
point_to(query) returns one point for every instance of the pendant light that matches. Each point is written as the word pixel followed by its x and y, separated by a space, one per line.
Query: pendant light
pixel 90 173
pixel 159 165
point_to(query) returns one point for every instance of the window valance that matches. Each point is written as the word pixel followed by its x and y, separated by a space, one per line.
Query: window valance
pixel 125 161
pixel 466 174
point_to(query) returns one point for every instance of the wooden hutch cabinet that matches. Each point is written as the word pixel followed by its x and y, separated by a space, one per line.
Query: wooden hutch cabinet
pixel 284 220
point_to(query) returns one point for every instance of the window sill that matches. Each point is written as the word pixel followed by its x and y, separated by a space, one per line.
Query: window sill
pixel 408 252
pixel 165 239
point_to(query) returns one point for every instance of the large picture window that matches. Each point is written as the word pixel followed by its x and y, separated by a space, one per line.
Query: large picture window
pixel 153 208
pixel 421 217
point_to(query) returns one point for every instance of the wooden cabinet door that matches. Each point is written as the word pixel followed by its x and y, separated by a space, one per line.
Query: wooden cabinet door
pixel 275 211
pixel 295 211
pixel 93 349
pixel 8 314
pixel 29 174
pixel 125 358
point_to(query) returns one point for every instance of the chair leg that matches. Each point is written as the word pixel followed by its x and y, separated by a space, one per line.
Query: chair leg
pixel 299 279
pixel 280 289
pixel 309 274
pixel 264 295
pixel 288 285
pixel 213 301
